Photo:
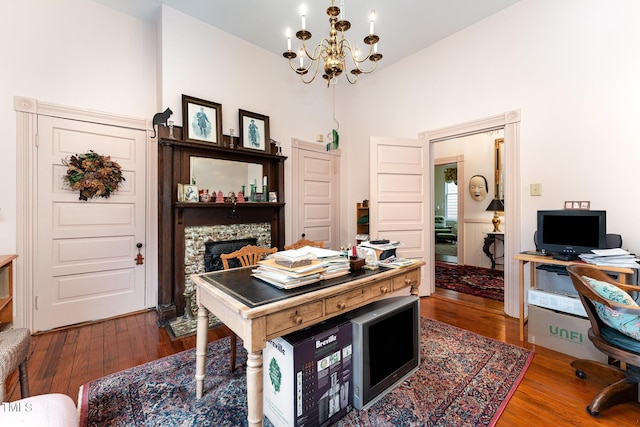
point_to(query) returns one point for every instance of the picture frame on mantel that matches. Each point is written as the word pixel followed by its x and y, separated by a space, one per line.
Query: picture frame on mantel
pixel 201 120
pixel 254 131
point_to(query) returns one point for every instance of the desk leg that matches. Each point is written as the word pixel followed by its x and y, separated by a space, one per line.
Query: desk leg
pixel 254 388
pixel 521 286
pixel 201 349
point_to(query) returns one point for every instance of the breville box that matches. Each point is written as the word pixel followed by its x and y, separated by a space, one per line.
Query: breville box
pixel 307 376
pixel 562 332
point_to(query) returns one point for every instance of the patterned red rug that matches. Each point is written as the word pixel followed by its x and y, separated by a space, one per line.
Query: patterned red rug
pixel 478 281
pixel 464 379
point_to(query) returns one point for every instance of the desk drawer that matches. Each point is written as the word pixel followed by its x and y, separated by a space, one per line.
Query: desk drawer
pixel 412 277
pixel 344 302
pixel 303 314
pixel 348 300
pixel 380 288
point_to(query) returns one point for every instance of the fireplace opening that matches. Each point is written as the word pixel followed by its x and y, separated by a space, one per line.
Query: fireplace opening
pixel 213 250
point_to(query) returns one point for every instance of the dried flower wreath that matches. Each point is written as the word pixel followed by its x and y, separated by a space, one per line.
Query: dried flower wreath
pixel 93 175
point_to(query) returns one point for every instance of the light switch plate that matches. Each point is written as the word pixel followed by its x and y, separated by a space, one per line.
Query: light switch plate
pixel 535 189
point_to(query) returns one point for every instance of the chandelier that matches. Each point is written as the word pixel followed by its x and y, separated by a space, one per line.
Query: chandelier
pixel 335 52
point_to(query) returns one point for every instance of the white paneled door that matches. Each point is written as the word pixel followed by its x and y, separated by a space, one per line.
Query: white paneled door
pixel 85 267
pixel 399 200
pixel 316 194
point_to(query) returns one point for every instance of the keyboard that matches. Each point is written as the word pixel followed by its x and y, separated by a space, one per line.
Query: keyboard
pixel 558 269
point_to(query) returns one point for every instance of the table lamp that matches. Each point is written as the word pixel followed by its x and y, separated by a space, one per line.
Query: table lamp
pixel 496 206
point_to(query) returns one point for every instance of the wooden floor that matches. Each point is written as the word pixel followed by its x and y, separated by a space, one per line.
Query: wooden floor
pixel 549 395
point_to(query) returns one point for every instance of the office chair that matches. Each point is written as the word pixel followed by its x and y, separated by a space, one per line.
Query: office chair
pixel 614 318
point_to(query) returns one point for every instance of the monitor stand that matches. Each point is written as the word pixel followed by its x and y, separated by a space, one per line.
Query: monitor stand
pixel 565 257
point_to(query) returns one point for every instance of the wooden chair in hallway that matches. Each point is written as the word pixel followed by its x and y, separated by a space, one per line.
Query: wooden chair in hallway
pixel 247 256
pixel 304 242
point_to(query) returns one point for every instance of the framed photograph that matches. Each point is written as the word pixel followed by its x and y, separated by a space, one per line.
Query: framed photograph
pixel 273 197
pixel 577 204
pixel 254 131
pixel 201 120
pixel 191 193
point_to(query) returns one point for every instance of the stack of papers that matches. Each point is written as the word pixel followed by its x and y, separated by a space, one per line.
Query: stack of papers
pixel 381 246
pixel 335 266
pixel 323 264
pixel 289 277
pixel 611 257
pixel 393 262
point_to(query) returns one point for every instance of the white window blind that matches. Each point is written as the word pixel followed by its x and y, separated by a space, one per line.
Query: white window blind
pixel 451 199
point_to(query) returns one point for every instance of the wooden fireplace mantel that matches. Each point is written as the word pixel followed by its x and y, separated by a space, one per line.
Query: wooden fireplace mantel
pixel 173 217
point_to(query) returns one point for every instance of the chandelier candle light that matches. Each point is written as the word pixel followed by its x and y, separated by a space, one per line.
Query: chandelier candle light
pixel 334 51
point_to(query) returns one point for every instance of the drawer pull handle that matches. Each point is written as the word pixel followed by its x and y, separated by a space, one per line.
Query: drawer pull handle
pixel 408 281
pixel 341 305
pixel 297 319
pixel 384 290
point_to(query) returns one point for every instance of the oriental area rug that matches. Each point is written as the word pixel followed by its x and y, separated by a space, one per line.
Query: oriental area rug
pixel 477 281
pixel 464 379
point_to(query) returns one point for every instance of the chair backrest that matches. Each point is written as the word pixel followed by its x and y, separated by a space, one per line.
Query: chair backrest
pixel 587 294
pixel 612 346
pixel 247 255
pixel 304 242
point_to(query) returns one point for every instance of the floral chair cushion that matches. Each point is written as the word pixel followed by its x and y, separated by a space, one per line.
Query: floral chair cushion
pixel 626 323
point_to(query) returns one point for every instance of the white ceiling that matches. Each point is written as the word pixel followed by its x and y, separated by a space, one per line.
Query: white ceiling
pixel 404 26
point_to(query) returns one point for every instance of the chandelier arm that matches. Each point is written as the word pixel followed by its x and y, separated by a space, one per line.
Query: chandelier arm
pixel 314 74
pixel 355 78
pixel 347 44
pixel 317 50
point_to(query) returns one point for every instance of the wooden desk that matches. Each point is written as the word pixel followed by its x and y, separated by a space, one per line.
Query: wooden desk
pixel 258 312
pixel 524 258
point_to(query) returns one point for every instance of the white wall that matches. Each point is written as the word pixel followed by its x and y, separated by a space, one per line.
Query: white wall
pixel 69 52
pixel 572 68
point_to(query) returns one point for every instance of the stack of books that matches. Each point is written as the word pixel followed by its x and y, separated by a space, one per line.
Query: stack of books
pixel 300 267
pixel 611 257
pixel 284 277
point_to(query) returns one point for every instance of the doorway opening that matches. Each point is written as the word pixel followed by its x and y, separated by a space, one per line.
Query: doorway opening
pixel 464 264
pixel 445 193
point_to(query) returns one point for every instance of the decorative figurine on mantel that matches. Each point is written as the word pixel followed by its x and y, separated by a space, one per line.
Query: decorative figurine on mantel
pixel 219 197
pixel 241 197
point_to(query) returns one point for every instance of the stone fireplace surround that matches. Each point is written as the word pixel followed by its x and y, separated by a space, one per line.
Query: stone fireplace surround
pixel 196 239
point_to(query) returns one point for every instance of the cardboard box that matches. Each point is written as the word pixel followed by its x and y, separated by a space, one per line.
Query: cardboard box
pixel 562 332
pixel 308 376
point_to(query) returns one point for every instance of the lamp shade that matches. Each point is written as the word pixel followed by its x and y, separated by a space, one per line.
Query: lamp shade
pixel 496 205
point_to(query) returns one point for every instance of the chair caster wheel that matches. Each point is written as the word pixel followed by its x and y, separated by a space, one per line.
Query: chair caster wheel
pixel 581 375
pixel 594 414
